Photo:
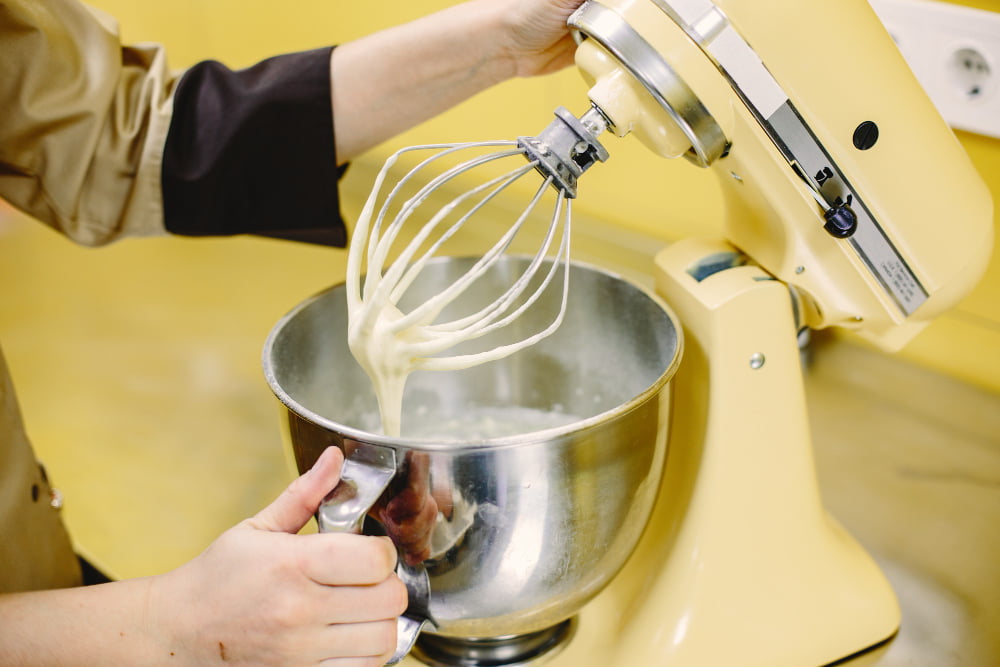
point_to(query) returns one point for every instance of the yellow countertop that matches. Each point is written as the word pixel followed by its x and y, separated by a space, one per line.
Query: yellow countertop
pixel 138 371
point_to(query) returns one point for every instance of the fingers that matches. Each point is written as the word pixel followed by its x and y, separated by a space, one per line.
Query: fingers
pixel 367 644
pixel 345 559
pixel 361 644
pixel 298 503
pixel 356 662
pixel 362 604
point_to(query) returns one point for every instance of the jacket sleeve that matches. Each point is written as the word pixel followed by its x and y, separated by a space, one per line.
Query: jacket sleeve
pixel 252 151
pixel 101 140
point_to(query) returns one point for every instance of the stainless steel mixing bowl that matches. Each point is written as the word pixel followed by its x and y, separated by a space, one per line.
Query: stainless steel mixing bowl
pixel 507 532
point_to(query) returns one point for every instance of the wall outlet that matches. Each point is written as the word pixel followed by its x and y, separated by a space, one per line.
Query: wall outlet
pixel 954 51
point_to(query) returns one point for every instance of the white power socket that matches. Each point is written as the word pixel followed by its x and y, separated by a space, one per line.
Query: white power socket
pixel 954 51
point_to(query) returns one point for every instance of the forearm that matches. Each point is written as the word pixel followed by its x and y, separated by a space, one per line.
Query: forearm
pixel 104 624
pixel 392 80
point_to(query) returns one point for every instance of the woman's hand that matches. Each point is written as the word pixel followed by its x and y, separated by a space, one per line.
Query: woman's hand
pixel 390 81
pixel 259 594
pixel 539 41
pixel 262 594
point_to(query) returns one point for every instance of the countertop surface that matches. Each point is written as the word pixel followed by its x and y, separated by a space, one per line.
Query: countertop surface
pixel 138 370
pixel 909 462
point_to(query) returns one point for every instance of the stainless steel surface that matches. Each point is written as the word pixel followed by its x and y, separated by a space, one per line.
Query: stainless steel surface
pixel 567 147
pixel 516 532
pixel 408 630
pixel 363 478
pixel 535 649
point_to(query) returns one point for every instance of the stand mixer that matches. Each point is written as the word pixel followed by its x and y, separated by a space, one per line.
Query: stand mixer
pixel 850 204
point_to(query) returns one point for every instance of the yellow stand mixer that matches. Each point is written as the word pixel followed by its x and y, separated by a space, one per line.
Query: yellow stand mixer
pixel 850 204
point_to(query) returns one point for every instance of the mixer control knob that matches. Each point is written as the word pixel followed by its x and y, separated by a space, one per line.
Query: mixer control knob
pixel 841 221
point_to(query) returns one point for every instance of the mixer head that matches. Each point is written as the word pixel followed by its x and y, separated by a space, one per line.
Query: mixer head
pixel 840 177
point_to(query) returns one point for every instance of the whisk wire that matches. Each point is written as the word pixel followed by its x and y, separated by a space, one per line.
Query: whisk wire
pixel 427 312
pixel 489 313
pixel 383 288
pixel 415 267
pixel 521 284
pixel 460 361
pixel 379 246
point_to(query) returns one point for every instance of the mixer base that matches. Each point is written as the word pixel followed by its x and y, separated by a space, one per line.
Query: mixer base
pixel 510 651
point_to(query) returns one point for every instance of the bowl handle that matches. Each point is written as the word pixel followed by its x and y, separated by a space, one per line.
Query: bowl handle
pixel 407 631
pixel 366 473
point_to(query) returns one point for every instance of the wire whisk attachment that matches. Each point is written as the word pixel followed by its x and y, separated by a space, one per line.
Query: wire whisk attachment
pixel 399 231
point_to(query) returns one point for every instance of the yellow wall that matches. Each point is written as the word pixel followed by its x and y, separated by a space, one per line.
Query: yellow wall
pixel 667 199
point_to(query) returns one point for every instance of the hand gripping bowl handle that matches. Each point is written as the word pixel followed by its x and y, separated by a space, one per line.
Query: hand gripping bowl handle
pixel 366 473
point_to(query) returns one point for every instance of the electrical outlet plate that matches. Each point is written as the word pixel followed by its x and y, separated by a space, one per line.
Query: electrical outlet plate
pixel 954 51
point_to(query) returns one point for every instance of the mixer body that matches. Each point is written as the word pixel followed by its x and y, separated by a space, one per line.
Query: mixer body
pixel 740 563
pixel 839 175
pixel 850 204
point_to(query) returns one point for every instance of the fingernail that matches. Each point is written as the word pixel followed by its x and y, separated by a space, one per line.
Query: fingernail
pixel 327 453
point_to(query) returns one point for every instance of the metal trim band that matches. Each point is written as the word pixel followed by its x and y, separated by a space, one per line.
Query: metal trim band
pixel 612 32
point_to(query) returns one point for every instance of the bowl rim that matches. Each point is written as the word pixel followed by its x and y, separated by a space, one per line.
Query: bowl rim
pixel 425 444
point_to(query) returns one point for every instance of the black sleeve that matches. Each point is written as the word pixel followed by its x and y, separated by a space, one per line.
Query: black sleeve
pixel 252 152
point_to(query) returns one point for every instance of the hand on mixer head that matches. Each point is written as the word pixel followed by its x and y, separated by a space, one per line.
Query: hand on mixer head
pixel 538 39
pixel 391 81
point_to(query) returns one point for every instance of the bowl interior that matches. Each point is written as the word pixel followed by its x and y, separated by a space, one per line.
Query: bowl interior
pixel 616 343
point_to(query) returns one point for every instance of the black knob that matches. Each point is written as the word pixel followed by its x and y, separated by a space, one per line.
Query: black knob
pixel 865 135
pixel 841 222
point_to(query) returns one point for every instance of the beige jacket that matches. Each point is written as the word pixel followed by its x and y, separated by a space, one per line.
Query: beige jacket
pixel 80 150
